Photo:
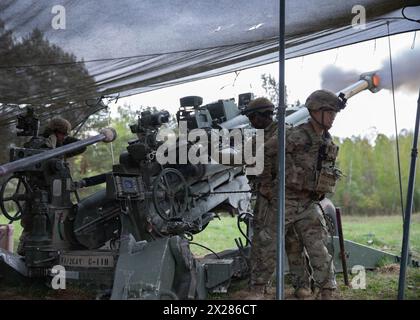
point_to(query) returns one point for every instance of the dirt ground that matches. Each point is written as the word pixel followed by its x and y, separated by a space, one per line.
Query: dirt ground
pixel 41 292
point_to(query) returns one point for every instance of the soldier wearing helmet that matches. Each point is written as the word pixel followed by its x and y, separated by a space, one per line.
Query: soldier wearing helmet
pixel 56 134
pixel 260 113
pixel 323 106
pixel 262 261
pixel 56 131
pixel 310 174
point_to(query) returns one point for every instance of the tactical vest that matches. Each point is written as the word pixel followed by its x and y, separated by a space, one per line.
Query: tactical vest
pixel 311 166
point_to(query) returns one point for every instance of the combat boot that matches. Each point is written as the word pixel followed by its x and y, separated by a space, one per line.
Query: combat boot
pixel 303 293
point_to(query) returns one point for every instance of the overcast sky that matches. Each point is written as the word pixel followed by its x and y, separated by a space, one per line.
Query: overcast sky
pixel 366 114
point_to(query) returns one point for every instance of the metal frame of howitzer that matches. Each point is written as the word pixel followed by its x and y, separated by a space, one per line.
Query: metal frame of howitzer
pixel 131 236
pixel 147 210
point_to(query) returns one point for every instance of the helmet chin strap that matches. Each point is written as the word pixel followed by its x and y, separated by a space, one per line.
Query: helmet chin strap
pixel 322 121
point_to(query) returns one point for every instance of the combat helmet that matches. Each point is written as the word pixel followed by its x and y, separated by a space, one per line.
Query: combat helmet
pixel 258 105
pixel 59 124
pixel 324 100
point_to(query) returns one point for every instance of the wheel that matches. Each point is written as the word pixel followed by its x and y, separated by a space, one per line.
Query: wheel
pixel 13 193
pixel 170 194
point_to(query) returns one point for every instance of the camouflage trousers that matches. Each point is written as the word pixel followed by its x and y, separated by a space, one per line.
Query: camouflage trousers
pixel 299 267
pixel 305 242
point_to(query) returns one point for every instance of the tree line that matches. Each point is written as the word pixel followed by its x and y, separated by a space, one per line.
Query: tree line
pixel 370 184
pixel 38 73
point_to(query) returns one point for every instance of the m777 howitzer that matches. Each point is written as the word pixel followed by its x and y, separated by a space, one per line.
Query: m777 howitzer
pixel 132 239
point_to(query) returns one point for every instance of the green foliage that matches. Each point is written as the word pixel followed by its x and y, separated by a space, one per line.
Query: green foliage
pixel 271 88
pixel 382 232
pixel 370 184
pixel 31 81
pixel 219 235
pixel 39 73
pixel 384 262
pixel 99 158
pixel 382 284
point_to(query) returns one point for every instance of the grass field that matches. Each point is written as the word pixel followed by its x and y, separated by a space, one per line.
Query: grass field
pixel 382 232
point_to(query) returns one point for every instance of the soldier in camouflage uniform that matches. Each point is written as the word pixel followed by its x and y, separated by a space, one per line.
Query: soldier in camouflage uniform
pixel 260 113
pixel 55 135
pixel 310 174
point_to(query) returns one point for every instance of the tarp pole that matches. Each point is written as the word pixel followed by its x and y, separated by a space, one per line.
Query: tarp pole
pixel 281 160
pixel 409 208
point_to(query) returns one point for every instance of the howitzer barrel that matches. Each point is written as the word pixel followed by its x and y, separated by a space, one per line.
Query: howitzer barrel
pixel 302 114
pixel 236 122
pixel 369 80
pixel 106 135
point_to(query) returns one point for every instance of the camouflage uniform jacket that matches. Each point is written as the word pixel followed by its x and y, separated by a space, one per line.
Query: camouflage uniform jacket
pixel 310 163
pixel 269 133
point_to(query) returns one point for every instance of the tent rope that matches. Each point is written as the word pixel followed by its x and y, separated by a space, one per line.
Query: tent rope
pixel 395 121
pixel 414 40
pixel 336 55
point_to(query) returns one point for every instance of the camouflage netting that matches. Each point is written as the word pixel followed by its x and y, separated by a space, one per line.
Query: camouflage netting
pixel 56 57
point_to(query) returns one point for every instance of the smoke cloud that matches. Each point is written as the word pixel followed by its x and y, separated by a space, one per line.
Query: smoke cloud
pixel 406 69
pixel 333 78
